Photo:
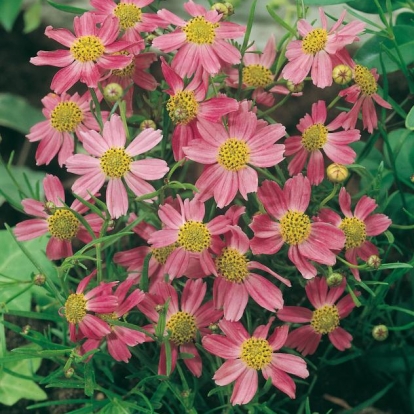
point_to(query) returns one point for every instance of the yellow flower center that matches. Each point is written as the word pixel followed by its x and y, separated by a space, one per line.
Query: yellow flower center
pixel 183 327
pixel 198 30
pixel 233 154
pixel 256 353
pixel 295 227
pixel 365 80
pixel 325 319
pixel 161 254
pixel 314 41
pixel 66 116
pixel 182 107
pixel 194 236
pixel 75 308
pixel 87 49
pixel 232 265
pixel 128 14
pixel 256 75
pixel 128 70
pixel 115 162
pixel 355 231
pixel 63 224
pixel 314 137
pixel 107 317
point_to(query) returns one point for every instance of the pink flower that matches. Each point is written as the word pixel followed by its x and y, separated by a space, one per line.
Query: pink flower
pixel 193 237
pixel 325 319
pixel 247 354
pixel 228 153
pixel 287 222
pixel 99 300
pixel 91 52
pixel 236 280
pixel 181 325
pixel 119 337
pixel 187 104
pixel 65 115
pixel 357 227
pixel 201 42
pixel 363 94
pixel 317 137
pixel 318 49
pixel 59 221
pixel 111 161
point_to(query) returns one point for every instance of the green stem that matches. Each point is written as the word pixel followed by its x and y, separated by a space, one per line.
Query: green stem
pixel 330 196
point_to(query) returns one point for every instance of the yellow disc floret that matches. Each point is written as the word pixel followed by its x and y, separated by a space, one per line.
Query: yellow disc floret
pixel 365 80
pixel 256 75
pixel 128 14
pixel 182 107
pixel 199 31
pixel 233 154
pixel 115 162
pixel 256 353
pixel 314 137
pixel 66 116
pixel 161 254
pixel 75 308
pixel 194 236
pixel 87 49
pixel 232 265
pixel 314 41
pixel 295 227
pixel 182 326
pixel 325 319
pixel 128 70
pixel 63 224
pixel 355 231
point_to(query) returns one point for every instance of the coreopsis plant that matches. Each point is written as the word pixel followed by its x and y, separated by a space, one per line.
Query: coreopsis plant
pixel 205 239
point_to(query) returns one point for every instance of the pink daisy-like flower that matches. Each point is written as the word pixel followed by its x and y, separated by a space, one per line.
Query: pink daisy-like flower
pixel 111 161
pixel 54 219
pixel 363 94
pixel 99 300
pixel 228 153
pixel 357 227
pixel 325 319
pixel 194 238
pixel 91 52
pixel 181 324
pixel 287 222
pixel 317 50
pixel 246 354
pixel 201 42
pixel 65 115
pixel 119 338
pixel 316 136
pixel 236 280
pixel 187 104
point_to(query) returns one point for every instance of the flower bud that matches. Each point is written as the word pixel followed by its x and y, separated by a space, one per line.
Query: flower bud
pixel 342 74
pixel 374 261
pixel 230 8
pixel 113 91
pixel 380 332
pixel 295 87
pixel 150 37
pixel 412 178
pixel 147 123
pixel 220 8
pixel 69 372
pixel 334 279
pixel 26 329
pixel 49 207
pixel 337 173
pixel 39 279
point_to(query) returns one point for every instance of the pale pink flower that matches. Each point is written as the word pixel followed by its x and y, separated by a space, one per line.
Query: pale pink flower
pixel 187 104
pixel 246 354
pixel 287 222
pixel 65 115
pixel 111 160
pixel 325 319
pixel 200 42
pixel 236 278
pixel 119 338
pixel 357 227
pixel 318 49
pixel 193 237
pixel 91 52
pixel 55 219
pixel 229 152
pixel 363 94
pixel 182 322
pixel 317 137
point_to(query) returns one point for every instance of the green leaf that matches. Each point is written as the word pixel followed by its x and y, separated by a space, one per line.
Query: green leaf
pixel 16 113
pixel 409 121
pixel 401 143
pixel 13 388
pixel 68 9
pixel 9 10
pixel 32 17
pixel 324 2
pixel 369 6
pixel 405 18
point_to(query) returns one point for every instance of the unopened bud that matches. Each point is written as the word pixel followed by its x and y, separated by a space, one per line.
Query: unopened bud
pixel 230 8
pixel 220 8
pixel 113 92
pixel 337 173
pixel 295 87
pixel 147 123
pixel 412 178
pixel 39 279
pixel 149 38
pixel 49 207
pixel 69 372
pixel 334 279
pixel 159 308
pixel 380 332
pixel 213 327
pixel 26 329
pixel 342 74
pixel 374 261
